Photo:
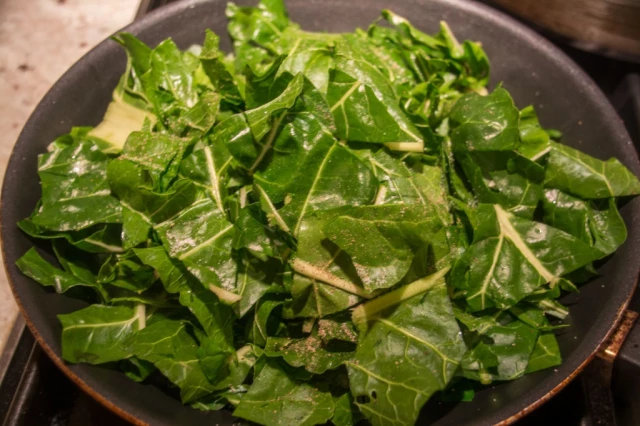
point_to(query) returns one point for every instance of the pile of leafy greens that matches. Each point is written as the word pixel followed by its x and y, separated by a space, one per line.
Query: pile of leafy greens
pixel 321 227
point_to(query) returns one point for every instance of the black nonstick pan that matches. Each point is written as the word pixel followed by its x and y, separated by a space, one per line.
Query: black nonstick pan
pixel 533 71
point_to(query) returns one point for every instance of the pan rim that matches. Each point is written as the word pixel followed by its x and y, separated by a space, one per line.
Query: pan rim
pixel 580 360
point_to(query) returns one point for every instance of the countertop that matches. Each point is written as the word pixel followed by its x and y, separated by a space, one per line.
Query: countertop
pixel 39 41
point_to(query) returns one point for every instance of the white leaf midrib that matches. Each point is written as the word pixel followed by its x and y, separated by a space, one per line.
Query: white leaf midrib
pixel 507 229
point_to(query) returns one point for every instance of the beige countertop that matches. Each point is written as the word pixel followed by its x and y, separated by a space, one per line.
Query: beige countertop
pixel 39 41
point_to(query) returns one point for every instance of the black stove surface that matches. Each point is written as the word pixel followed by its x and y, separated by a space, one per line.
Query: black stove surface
pixel 34 392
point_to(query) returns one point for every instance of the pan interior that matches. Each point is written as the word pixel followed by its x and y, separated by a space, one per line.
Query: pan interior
pixel 529 67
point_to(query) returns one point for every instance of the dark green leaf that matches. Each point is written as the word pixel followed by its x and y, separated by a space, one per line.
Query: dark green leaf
pixel 172 273
pixel 331 176
pixel 168 345
pixel 394 233
pixel 405 357
pixel 201 236
pixel 137 369
pixel 75 192
pixel 312 352
pixel 96 334
pixel 584 176
pixel 510 257
pixel 313 297
pixel 346 413
pixel 546 353
pixel 255 30
pixel 500 349
pixel 38 269
pixel 212 64
pixel 276 399
pixel 400 184
pixel 535 140
pixel 364 104
pixel 255 278
pixel 208 167
pixel 485 123
pixel 596 222
pixel 263 323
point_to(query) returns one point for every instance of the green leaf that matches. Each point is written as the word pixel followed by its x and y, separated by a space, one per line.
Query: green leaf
pixel 255 30
pixel 95 334
pixel 130 108
pixel 158 154
pixel 505 355
pixel 75 261
pixel 200 236
pixel 255 279
pixel 208 167
pixel 320 260
pixel 95 239
pixel 402 184
pixel 213 354
pixel 173 274
pixel 75 192
pixel 364 104
pixel 511 257
pixel 303 127
pixel 169 83
pixel 486 141
pixel 394 234
pixel 127 272
pixel 572 171
pixel 546 353
pixel 337 327
pixel 264 321
pixel 212 63
pixel 346 413
pixel 596 222
pixel 405 357
pixel 277 399
pixel 38 269
pixel 331 176
pixel 532 316
pixel 265 120
pixel 607 226
pixel 142 206
pixel 139 62
pixel 497 178
pixel 310 54
pixel 535 140
pixel 215 318
pixel 312 352
pixel 238 367
pixel 253 233
pixel 137 369
pixel 199 119
pixel 169 346
pixel 485 123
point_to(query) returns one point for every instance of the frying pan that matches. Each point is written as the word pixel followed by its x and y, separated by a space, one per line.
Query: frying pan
pixel 533 71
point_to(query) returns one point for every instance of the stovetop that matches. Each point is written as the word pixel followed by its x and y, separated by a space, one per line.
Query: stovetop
pixel 33 392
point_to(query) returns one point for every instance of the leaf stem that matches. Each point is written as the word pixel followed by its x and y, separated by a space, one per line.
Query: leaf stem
pixel 316 273
pixel 225 296
pixel 269 142
pixel 417 146
pixel 141 315
pixel 369 311
pixel 281 223
pixel 213 177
